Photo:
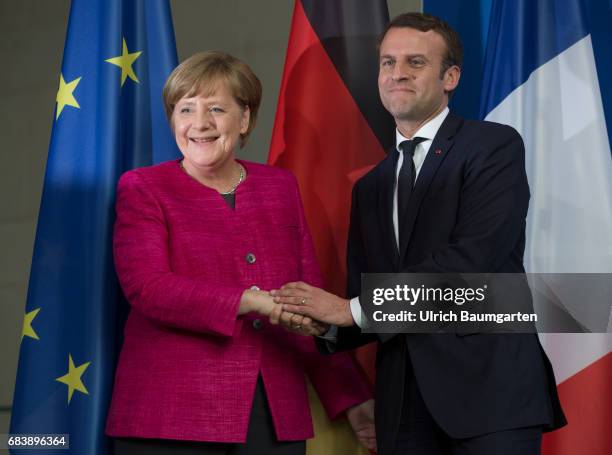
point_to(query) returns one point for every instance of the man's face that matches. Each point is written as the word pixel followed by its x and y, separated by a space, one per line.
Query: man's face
pixel 409 80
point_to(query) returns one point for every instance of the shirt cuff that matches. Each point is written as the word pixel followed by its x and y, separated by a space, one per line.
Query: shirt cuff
pixel 358 315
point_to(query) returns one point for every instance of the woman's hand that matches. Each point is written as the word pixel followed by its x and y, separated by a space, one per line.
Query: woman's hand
pixel 256 301
pixel 361 419
pixel 297 323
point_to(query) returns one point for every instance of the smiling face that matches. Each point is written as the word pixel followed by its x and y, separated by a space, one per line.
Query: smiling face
pixel 409 81
pixel 207 128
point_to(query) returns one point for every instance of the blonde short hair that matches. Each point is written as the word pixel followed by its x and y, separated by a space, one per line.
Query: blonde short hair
pixel 201 73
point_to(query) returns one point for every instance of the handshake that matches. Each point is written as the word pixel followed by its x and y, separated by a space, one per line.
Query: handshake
pixel 308 310
pixel 299 307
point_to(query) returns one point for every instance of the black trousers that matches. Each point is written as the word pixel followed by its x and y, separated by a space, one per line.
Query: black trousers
pixel 261 438
pixel 420 435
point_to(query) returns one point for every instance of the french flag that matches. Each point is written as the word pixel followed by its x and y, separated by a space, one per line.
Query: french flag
pixel 540 77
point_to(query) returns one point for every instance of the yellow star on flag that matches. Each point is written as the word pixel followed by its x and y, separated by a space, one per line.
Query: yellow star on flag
pixel 73 378
pixel 65 95
pixel 28 330
pixel 125 61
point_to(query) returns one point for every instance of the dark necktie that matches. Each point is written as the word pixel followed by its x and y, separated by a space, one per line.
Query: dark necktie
pixel 406 177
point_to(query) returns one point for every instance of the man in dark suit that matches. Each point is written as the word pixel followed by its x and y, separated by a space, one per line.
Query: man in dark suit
pixel 451 197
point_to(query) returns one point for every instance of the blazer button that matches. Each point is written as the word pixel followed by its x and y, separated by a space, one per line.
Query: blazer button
pixel 250 258
pixel 257 324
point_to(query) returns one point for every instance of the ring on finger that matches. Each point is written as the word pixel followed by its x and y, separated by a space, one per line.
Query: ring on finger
pixel 303 301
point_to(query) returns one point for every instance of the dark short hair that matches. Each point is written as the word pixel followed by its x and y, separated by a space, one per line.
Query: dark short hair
pixel 425 22
pixel 201 73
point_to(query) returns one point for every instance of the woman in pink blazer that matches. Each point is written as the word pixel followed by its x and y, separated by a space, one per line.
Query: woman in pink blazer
pixel 198 243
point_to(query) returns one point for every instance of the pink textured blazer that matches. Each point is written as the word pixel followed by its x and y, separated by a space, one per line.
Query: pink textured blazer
pixel 189 364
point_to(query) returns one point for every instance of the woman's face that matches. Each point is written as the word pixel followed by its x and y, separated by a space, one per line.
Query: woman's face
pixel 207 129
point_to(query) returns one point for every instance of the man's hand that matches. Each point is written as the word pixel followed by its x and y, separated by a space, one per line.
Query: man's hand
pixel 317 304
pixel 361 418
pixel 297 323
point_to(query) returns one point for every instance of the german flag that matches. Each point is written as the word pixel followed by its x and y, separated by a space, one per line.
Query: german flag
pixel 330 129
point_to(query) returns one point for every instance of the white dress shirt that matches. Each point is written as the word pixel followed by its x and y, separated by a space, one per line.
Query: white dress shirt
pixel 428 131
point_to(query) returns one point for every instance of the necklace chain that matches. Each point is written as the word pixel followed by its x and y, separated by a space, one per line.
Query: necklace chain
pixel 240 179
pixel 224 193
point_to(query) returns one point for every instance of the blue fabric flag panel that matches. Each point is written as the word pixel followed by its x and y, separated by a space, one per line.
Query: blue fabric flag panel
pixel 109 118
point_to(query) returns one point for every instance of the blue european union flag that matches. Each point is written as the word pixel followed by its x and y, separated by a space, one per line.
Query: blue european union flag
pixel 109 118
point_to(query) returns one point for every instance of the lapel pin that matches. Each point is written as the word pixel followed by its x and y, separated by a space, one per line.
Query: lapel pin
pixel 438 152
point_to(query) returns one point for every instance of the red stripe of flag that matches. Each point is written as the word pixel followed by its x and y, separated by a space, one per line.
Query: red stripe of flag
pixel 321 135
pixel 588 414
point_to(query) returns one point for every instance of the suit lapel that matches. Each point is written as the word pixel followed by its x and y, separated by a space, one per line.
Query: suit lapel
pixel 440 147
pixel 385 182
